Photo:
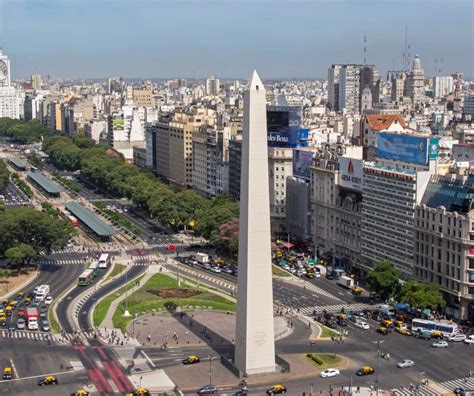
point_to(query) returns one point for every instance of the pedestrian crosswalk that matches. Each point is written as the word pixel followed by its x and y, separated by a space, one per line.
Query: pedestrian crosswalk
pixel 313 287
pixel 466 382
pixel 422 390
pixel 137 261
pixel 31 335
pixel 337 308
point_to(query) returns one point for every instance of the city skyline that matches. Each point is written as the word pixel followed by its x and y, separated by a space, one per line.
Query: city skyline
pixel 316 35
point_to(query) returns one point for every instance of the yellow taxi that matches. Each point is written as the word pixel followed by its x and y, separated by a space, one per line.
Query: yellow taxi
pixel 191 360
pixel 382 330
pixel 27 301
pixel 404 331
pixel 5 303
pixel 400 324
pixel 437 334
pixel 81 392
pixel 277 390
pixel 357 291
pixel 3 317
pixel 7 373
pixel 386 323
pixel 365 370
pixel 13 304
pixel 20 296
pixel 48 380
pixel 8 310
pixel 140 391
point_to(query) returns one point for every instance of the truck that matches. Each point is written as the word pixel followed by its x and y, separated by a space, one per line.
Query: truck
pixel 32 317
pixel 42 292
pixel 321 269
pixel 202 258
pixel 345 281
pixel 387 310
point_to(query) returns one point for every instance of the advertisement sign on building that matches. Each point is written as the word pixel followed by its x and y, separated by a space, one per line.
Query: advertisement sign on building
pixel 291 138
pixel 351 170
pixel 434 148
pixel 406 148
pixel 302 160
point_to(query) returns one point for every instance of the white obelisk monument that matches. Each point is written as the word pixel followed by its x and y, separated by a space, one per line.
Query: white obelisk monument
pixel 254 343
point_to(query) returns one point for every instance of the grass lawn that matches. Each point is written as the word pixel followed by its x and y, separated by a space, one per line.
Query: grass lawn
pixel 118 268
pixel 276 271
pixel 161 293
pixel 103 306
pixel 327 332
pixel 323 360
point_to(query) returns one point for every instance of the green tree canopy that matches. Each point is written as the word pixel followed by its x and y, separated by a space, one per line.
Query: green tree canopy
pixel 22 132
pixel 422 295
pixel 383 279
pixel 21 254
pixel 37 229
pixel 4 175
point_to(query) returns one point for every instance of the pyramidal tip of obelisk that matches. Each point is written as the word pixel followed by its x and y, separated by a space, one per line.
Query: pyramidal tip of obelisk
pixel 254 82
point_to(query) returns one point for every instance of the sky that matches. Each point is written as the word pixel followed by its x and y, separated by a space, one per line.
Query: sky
pixel 230 38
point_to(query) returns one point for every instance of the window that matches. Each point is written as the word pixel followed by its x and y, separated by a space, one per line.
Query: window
pixel 471 290
pixel 471 277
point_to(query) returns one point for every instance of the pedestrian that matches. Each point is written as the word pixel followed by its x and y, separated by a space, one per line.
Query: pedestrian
pixel 148 337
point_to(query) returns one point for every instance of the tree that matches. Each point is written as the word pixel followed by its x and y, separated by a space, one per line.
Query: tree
pixel 384 280
pixel 422 295
pixel 5 275
pixel 4 175
pixel 228 238
pixel 20 254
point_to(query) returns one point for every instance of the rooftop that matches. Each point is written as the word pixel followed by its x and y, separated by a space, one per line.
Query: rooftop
pixel 45 183
pixel 18 162
pixel 90 219
pixel 379 122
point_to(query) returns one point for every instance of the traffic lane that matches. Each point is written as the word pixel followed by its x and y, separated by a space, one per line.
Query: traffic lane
pixel 64 305
pixel 299 297
pixel 332 288
pixel 69 383
pixel 133 272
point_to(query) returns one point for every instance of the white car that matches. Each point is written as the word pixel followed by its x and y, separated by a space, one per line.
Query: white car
pixel 457 337
pixel 215 269
pixel 469 340
pixel 362 325
pixel 48 300
pixel 330 372
pixel 440 344
pixel 406 363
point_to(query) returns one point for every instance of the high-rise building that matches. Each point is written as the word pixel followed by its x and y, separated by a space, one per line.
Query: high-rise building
pixel 366 99
pixel 213 86
pixel 369 78
pixel 349 88
pixel 333 87
pixel 416 82
pixel 398 87
pixel 4 70
pixel 36 82
pixel 444 241
pixel 442 86
pixel 143 97
pixel 235 158
pixel 469 105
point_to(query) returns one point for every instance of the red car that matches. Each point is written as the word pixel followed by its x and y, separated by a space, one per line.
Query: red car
pixel 21 311
pixel 171 247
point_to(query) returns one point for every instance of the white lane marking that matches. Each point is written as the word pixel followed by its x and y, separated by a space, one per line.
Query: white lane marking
pixel 149 360
pixel 40 376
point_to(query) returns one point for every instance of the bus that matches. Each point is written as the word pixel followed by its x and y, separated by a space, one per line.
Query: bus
pixel 104 260
pixel 94 267
pixel 86 278
pixel 446 328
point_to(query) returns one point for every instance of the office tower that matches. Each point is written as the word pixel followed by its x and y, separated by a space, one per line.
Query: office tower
pixel 4 70
pixel 398 87
pixel 333 87
pixel 349 88
pixel 444 241
pixel 369 78
pixel 255 343
pixel 9 101
pixel 235 161
pixel 416 82
pixel 442 86
pixel 114 84
pixel 36 82
pixel 469 105
pixel 212 86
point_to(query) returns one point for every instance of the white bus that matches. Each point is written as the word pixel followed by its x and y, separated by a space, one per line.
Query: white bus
pixel 446 328
pixel 104 260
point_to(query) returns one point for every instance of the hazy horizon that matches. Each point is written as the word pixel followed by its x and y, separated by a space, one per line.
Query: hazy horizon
pixel 282 39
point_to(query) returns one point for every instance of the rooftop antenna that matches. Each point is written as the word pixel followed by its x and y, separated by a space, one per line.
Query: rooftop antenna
pixel 365 49
pixel 405 51
pixel 436 67
pixel 441 66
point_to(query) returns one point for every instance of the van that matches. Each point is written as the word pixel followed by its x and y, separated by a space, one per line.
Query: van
pixel 387 310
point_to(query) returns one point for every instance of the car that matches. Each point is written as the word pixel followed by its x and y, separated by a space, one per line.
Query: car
pixel 424 335
pixel 437 334
pixel 43 315
pixel 7 373
pixel 21 324
pixel 404 331
pixel 45 325
pixel 48 380
pixel 11 326
pixel 365 370
pixel 457 337
pixel 27 301
pixel 215 269
pixel 228 270
pixel 48 300
pixel 405 363
pixel 21 311
pixel 207 390
pixel 382 330
pixel 191 360
pixel 362 325
pixel 80 392
pixel 277 390
pixel 469 340
pixel 440 344
pixel 5 303
pixel 330 372
pixel 43 308
pixel 171 247
pixel 140 391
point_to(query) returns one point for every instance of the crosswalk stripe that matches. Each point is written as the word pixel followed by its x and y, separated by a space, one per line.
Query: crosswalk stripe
pixel 422 391
pixel 460 382
pixel 336 308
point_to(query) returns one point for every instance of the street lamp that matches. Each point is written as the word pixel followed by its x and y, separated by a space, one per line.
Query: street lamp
pixel 378 357
pixel 419 376
pixel 311 389
pixel 210 368
pixel 126 314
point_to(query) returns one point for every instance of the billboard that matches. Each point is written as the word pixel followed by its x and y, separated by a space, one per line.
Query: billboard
pixel 118 124
pixel 406 148
pixel 434 148
pixel 302 161
pixel 290 138
pixel 351 171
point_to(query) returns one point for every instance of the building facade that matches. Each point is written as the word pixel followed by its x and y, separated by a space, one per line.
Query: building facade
pixel 444 241
pixel 442 86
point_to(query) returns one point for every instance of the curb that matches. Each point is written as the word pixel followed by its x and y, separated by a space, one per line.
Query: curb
pixel 22 286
